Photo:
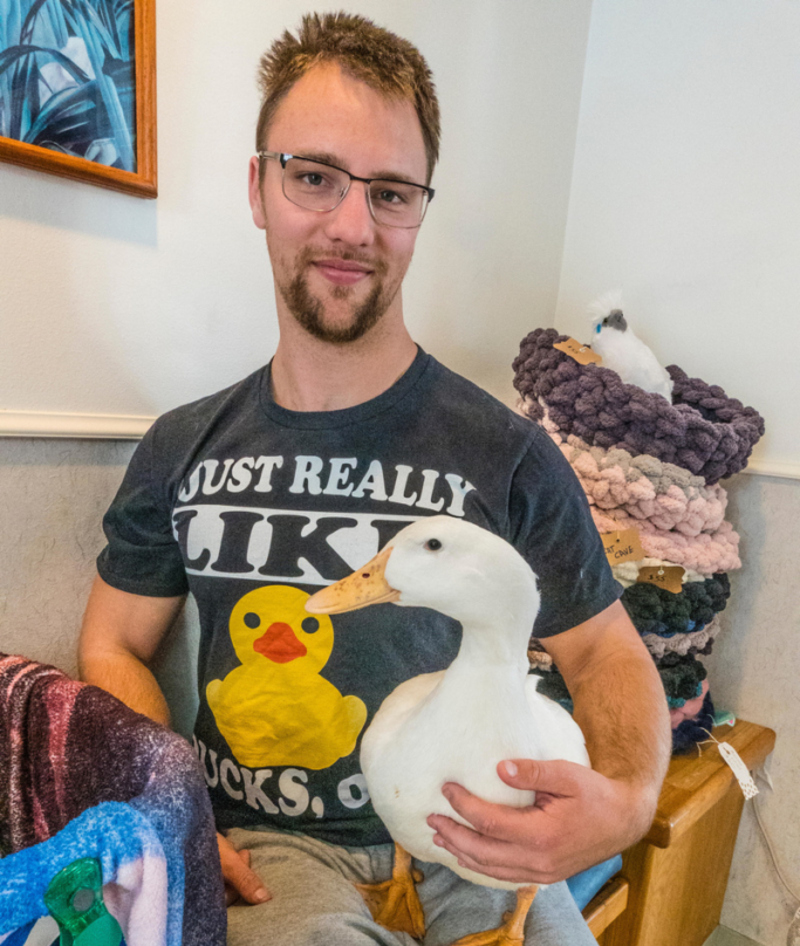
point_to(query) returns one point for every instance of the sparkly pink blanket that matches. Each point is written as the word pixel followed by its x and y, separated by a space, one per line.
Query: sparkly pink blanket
pixel 67 747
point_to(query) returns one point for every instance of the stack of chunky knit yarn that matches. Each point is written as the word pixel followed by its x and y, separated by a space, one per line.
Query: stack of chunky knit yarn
pixel 649 465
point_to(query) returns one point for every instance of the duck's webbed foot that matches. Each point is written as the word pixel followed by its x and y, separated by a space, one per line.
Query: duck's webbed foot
pixel 395 902
pixel 512 932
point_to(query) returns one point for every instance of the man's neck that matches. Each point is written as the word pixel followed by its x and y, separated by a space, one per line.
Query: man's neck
pixel 311 375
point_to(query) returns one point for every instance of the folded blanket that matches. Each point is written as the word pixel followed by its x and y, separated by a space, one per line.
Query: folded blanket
pixel 682 678
pixel 691 731
pixel 693 643
pixel 706 553
pixel 66 748
pixel 703 430
pixel 690 708
pixel 645 488
pixel 654 610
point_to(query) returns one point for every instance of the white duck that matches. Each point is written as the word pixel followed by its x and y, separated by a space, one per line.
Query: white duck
pixel 458 724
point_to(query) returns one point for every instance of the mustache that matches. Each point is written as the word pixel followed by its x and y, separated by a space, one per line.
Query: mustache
pixel 310 255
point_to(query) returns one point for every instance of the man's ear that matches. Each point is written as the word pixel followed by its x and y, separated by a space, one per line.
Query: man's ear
pixel 254 193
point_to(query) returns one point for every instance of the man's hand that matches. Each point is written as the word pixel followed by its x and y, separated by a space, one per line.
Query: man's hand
pixel 579 819
pixel 240 881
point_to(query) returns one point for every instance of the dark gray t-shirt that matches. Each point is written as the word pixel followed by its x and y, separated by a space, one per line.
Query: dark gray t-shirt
pixel 253 507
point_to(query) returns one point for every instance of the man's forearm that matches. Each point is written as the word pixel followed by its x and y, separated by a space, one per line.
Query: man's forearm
pixel 619 704
pixel 127 678
pixel 621 708
pixel 121 632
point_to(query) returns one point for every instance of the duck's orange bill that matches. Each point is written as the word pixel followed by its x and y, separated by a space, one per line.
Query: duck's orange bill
pixel 366 586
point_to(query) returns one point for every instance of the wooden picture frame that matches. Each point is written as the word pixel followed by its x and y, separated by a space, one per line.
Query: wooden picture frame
pixel 77 90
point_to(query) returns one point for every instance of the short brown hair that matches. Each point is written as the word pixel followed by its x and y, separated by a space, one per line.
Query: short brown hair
pixel 385 62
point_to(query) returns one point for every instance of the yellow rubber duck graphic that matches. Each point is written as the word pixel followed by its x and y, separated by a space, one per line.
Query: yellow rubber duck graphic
pixel 276 709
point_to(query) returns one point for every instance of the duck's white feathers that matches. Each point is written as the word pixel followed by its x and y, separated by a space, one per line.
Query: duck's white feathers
pixel 455 723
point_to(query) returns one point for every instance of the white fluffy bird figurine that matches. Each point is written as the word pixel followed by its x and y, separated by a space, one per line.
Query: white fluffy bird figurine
pixel 623 351
pixel 458 724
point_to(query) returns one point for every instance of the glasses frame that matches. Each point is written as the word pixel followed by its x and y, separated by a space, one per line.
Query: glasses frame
pixel 284 158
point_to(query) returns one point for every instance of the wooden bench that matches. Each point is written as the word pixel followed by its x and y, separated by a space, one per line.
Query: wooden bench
pixel 672 883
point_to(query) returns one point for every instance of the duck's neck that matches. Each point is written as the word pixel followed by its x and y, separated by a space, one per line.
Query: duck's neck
pixel 493 650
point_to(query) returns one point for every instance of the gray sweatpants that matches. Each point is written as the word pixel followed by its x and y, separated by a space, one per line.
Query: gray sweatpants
pixel 314 902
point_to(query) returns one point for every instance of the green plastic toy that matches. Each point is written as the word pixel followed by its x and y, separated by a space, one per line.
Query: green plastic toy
pixel 74 898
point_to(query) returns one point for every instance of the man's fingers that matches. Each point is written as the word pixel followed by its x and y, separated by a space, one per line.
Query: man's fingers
pixel 237 873
pixel 555 777
pixel 246 882
pixel 519 874
pixel 459 838
pixel 489 856
pixel 487 818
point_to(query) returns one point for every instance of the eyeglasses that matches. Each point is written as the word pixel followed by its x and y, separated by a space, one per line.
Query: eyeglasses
pixel 316 185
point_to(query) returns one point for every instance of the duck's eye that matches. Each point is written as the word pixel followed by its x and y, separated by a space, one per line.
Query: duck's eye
pixel 433 545
pixel 310 625
pixel 252 620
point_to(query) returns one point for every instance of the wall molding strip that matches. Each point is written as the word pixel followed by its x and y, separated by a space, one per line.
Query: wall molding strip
pixel 790 471
pixel 76 426
pixel 133 427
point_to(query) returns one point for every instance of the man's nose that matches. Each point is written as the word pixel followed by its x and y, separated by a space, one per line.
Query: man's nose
pixel 351 222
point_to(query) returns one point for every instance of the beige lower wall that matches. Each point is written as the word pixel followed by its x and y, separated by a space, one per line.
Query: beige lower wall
pixel 755 672
pixel 52 497
pixel 53 494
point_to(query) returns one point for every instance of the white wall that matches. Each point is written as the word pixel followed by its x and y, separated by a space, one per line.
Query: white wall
pixel 110 304
pixel 686 196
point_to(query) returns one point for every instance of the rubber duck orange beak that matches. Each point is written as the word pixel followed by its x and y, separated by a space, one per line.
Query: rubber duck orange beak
pixel 366 586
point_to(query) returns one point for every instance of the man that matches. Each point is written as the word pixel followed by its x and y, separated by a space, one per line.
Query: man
pixel 257 496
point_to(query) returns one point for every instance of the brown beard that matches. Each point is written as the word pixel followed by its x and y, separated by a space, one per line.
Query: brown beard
pixel 309 310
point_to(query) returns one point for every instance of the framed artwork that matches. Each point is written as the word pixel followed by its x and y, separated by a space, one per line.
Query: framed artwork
pixel 78 90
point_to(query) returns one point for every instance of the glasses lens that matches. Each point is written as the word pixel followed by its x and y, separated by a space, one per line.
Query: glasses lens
pixel 397 204
pixel 312 185
pixel 316 186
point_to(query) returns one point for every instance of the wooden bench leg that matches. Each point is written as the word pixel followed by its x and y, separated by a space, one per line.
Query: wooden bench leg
pixel 606 905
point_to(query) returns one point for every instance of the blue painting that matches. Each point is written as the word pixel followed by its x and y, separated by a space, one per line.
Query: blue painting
pixel 67 78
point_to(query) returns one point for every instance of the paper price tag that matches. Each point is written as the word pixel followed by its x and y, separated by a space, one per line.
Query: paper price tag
pixel 740 770
pixel 583 354
pixel 624 546
pixel 668 577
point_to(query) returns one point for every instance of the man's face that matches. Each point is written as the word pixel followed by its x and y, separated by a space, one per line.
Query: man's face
pixel 338 273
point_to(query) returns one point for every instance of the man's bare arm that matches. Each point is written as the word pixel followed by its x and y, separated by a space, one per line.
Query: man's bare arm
pixel 120 634
pixel 619 702
pixel 581 816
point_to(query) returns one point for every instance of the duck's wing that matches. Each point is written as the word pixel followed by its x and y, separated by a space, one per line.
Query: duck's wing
pixel 561 736
pixel 394 712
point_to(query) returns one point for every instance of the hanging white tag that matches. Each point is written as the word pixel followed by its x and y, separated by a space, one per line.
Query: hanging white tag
pixel 739 769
